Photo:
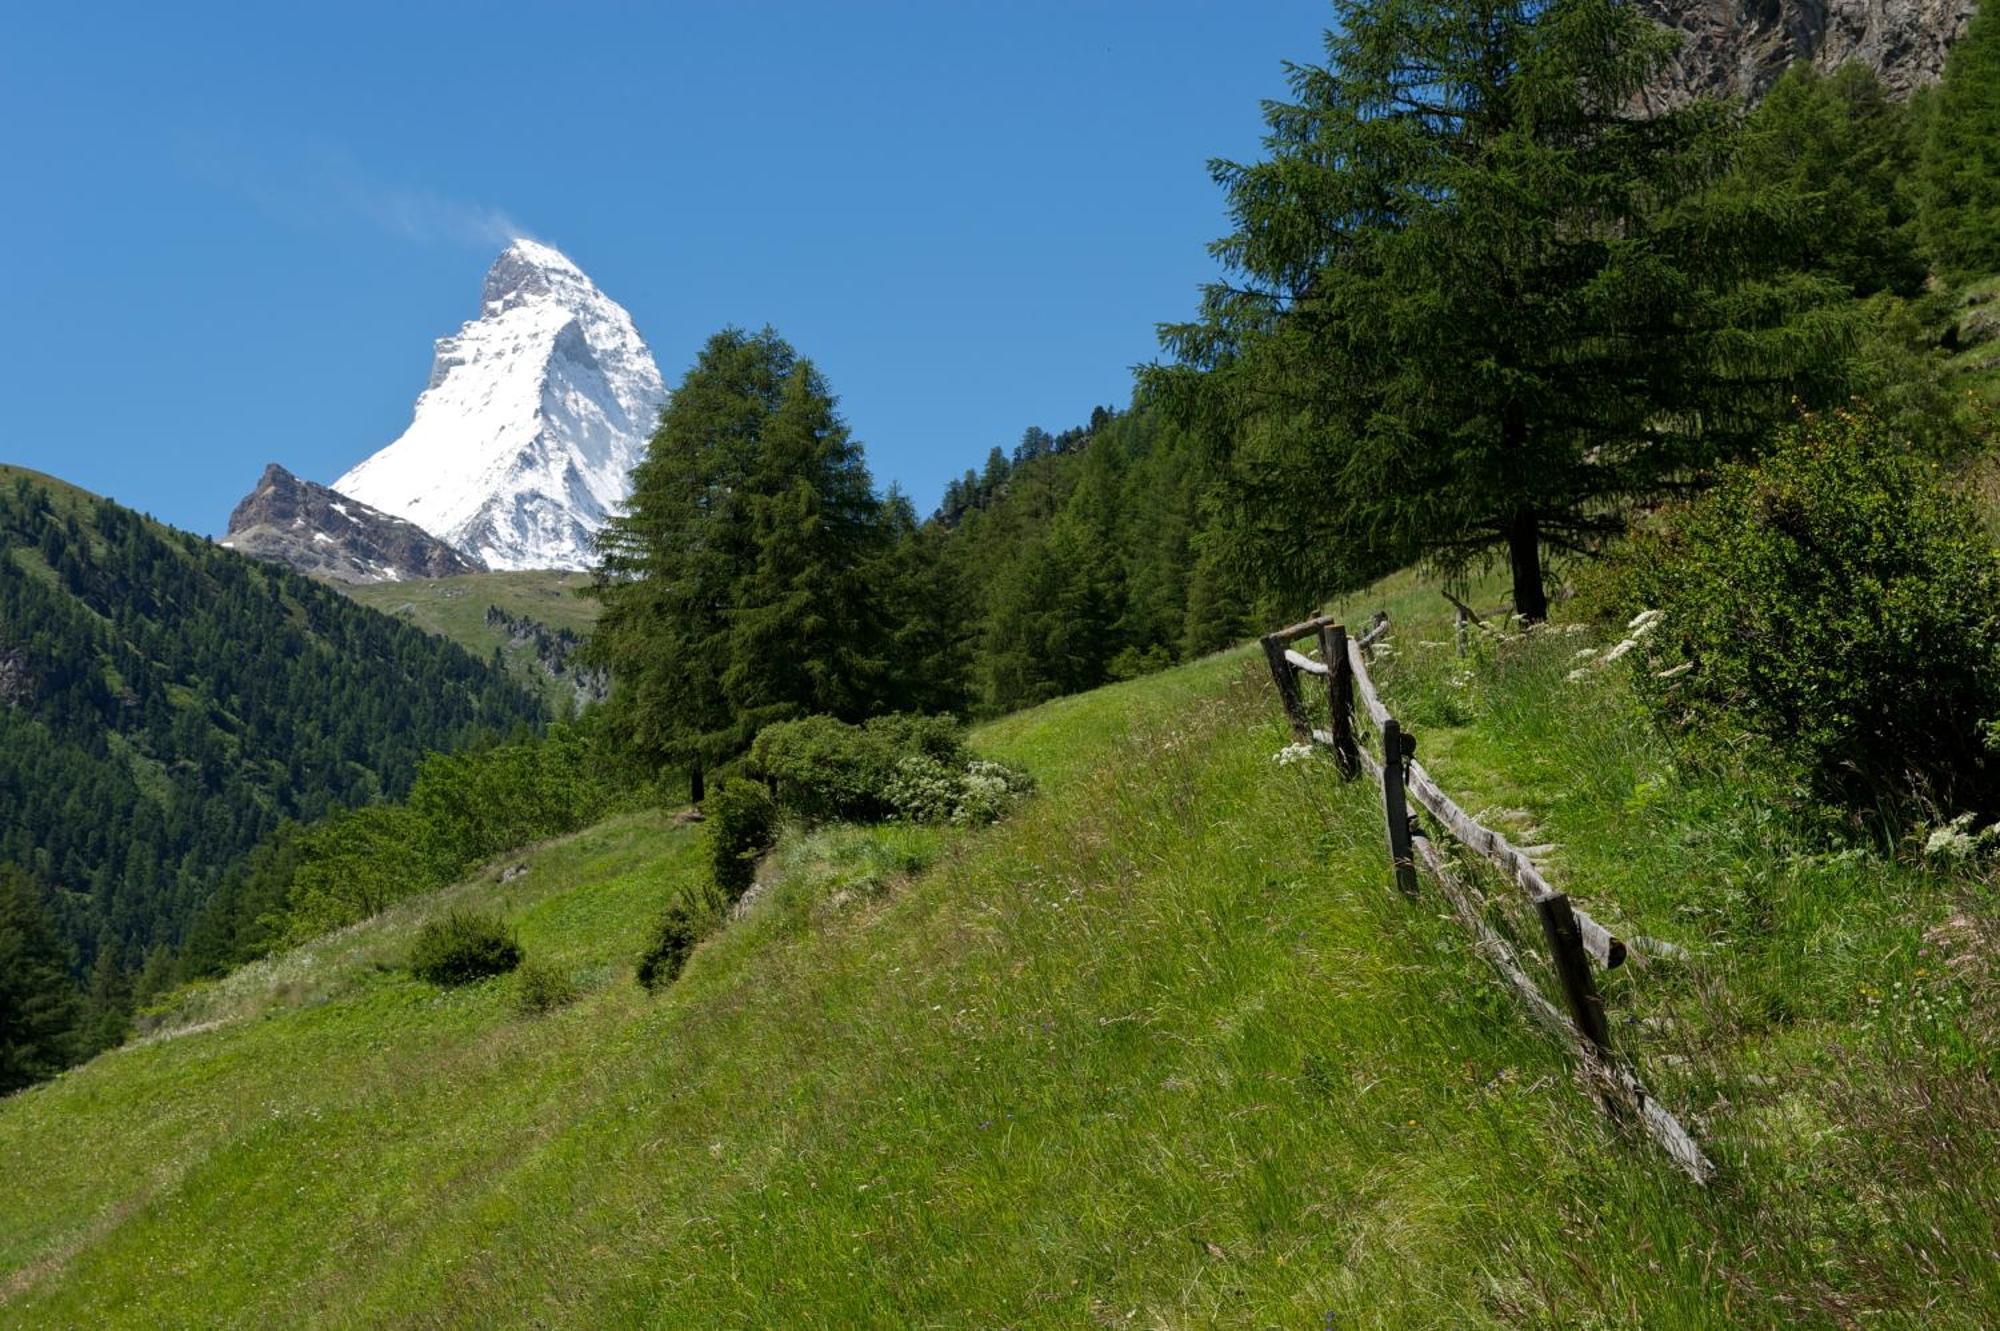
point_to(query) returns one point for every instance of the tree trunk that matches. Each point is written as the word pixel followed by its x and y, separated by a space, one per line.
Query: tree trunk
pixel 697 788
pixel 1524 556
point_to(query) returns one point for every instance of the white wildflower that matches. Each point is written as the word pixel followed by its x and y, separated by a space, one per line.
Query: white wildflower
pixel 1293 753
pixel 1578 674
pixel 1645 619
pixel 1674 672
pixel 1584 654
pixel 1620 650
pixel 1952 841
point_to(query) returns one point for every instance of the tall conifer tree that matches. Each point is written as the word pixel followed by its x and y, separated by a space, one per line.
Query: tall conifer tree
pixel 808 634
pixel 1482 301
pixel 1851 154
pixel 932 623
pixel 736 585
pixel 671 562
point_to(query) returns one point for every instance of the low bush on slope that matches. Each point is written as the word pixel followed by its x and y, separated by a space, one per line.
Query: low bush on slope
pixel 1162 1048
pixel 463 947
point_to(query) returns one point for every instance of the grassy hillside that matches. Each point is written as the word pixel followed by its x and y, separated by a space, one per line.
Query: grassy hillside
pixel 1164 1049
pixel 66 497
pixel 456 608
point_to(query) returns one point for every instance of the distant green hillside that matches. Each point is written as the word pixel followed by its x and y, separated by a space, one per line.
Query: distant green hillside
pixel 456 608
pixel 1165 1049
pixel 167 702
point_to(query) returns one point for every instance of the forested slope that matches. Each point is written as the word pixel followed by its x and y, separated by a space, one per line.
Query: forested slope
pixel 164 704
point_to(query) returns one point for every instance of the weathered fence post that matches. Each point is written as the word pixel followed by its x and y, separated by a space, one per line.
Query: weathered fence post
pixel 1586 1006
pixel 1287 680
pixel 1340 698
pixel 1395 809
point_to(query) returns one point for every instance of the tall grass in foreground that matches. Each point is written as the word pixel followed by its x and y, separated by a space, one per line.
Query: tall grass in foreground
pixel 1834 1021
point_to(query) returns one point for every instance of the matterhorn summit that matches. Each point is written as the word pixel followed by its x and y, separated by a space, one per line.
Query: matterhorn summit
pixel 524 441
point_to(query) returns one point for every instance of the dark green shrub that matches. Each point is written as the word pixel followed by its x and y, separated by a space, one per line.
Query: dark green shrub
pixel 909 734
pixel 462 947
pixel 742 824
pixel 542 988
pixel 680 927
pixel 823 770
pixel 1836 606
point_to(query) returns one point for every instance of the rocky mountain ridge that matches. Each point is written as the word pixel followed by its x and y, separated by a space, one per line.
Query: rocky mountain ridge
pixel 322 532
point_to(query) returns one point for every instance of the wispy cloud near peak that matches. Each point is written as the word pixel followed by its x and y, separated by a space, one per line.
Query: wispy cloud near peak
pixel 428 217
pixel 324 187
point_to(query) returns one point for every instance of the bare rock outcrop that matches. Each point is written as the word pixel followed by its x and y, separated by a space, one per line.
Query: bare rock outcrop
pixel 1740 47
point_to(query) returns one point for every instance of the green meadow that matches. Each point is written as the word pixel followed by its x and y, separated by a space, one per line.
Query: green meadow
pixel 456 608
pixel 1163 1049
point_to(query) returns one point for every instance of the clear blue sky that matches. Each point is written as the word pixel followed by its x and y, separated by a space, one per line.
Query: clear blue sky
pixel 231 233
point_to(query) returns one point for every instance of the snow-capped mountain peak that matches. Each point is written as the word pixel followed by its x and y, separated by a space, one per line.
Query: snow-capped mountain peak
pixel 527 269
pixel 523 442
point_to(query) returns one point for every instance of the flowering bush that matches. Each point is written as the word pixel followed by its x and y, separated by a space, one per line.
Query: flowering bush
pixel 924 790
pixel 987 790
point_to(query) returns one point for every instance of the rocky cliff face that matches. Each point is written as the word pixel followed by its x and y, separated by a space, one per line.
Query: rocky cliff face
pixel 328 535
pixel 1740 47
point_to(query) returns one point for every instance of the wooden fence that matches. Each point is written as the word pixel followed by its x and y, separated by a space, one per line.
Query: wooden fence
pixel 1575 941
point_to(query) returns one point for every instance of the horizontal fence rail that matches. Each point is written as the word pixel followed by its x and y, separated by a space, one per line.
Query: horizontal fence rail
pixel 1574 939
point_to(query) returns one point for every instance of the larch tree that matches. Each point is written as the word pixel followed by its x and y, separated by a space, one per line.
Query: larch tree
pixel 737 584
pixel 671 562
pixel 1479 301
pixel 808 633
pixel 1850 153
